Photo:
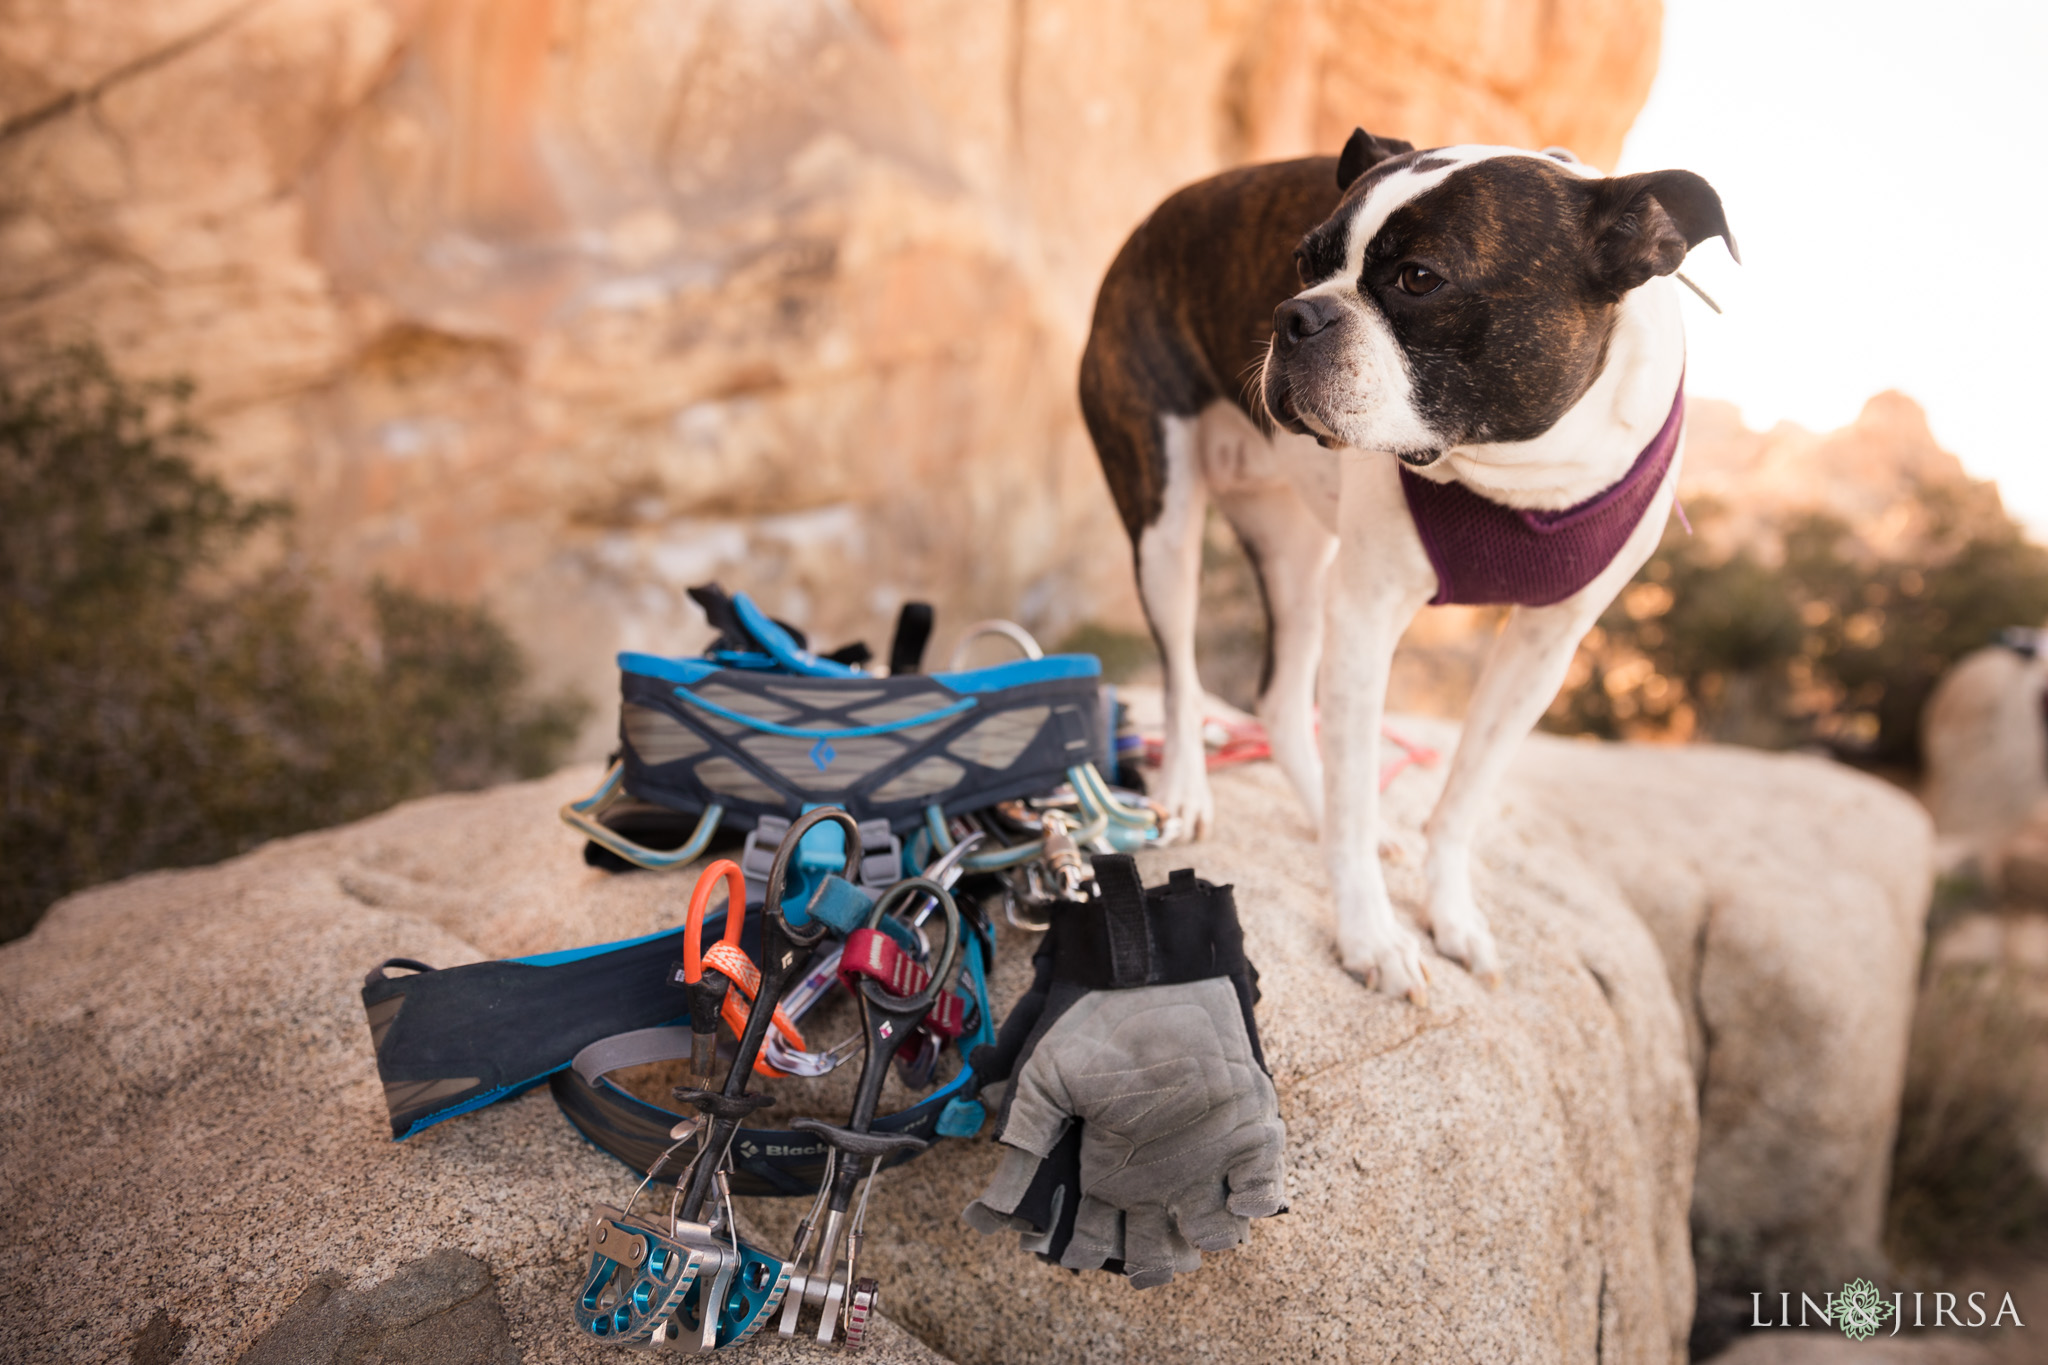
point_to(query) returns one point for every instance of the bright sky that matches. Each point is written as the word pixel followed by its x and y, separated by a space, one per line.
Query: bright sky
pixel 1883 168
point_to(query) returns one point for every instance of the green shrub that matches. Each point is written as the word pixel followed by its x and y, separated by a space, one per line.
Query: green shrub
pixel 168 693
pixel 1833 643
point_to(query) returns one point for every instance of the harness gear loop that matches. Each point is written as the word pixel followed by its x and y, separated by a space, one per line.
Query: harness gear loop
pixel 586 817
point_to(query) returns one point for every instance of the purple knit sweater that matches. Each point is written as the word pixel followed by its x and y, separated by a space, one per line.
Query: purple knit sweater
pixel 1487 553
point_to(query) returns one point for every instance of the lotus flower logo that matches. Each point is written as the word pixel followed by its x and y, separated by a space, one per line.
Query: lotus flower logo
pixel 1860 1310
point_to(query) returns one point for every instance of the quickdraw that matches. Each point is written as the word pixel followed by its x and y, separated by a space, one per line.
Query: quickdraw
pixel 709 997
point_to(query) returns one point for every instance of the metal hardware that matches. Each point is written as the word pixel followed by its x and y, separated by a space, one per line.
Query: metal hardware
pixel 829 1271
pixel 587 818
pixel 687 1287
pixel 1026 643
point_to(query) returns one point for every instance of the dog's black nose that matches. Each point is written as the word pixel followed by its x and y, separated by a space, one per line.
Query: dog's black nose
pixel 1295 321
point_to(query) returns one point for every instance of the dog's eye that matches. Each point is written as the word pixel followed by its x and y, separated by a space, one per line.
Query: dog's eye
pixel 1301 266
pixel 1419 280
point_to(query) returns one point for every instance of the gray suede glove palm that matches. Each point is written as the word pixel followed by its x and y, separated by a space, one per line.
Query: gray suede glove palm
pixel 1180 1138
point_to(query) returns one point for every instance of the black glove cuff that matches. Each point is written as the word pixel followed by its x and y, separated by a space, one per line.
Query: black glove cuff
pixel 1128 936
pixel 1186 930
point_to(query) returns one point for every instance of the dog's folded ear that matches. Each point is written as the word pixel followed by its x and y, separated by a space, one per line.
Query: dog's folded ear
pixel 1643 225
pixel 1363 152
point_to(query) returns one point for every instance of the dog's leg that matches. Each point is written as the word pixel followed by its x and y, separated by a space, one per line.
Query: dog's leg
pixel 1292 552
pixel 1380 580
pixel 1522 675
pixel 1523 672
pixel 1170 583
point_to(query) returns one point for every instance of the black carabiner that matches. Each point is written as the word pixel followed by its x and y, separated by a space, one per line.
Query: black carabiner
pixel 888 1020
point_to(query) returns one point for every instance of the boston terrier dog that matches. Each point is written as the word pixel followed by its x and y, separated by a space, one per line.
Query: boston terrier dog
pixel 1454 374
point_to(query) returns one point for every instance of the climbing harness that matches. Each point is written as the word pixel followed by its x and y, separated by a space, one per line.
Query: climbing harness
pixel 783 1162
pixel 760 728
pixel 453 1040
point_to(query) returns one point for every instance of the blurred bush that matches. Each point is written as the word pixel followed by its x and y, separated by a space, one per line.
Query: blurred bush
pixel 1967 1178
pixel 1807 637
pixel 169 694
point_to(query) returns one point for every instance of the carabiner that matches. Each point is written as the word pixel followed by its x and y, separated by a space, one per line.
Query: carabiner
pixel 708 997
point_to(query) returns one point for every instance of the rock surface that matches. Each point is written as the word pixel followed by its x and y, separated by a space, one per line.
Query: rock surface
pixel 1832 1348
pixel 1981 1064
pixel 1506 1176
pixel 440 1310
pixel 567 304
pixel 1884 474
pixel 1986 742
pixel 1789 901
pixel 193 1113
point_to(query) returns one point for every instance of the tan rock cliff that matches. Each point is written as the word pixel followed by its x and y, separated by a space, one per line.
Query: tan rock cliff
pixel 570 303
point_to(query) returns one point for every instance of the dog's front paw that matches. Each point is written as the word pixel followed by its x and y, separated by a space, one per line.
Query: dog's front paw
pixel 1389 962
pixel 1461 934
pixel 1184 791
pixel 1471 944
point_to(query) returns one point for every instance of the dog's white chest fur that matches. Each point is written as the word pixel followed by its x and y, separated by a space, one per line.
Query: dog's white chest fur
pixel 1237 459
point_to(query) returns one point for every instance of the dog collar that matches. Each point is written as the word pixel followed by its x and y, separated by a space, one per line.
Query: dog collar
pixel 1487 553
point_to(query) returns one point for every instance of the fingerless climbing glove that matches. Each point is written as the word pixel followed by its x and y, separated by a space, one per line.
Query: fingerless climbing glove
pixel 1142 1124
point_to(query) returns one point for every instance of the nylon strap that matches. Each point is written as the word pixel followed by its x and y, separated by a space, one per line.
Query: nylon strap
pixel 637 1048
pixel 947 1017
pixel 873 954
pixel 1129 937
pixel 732 962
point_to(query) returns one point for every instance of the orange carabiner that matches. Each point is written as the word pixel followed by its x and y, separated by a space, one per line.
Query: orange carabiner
pixel 700 901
